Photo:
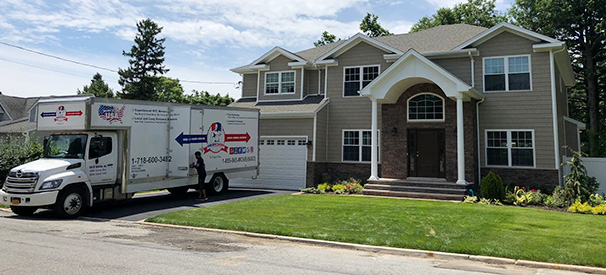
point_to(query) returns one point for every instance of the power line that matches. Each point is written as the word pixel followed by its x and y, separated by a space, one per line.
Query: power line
pixel 41 68
pixel 89 65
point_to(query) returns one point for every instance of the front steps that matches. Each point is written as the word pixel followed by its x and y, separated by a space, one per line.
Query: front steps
pixel 416 188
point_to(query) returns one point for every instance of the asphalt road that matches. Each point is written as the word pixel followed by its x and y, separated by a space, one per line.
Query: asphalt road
pixel 147 205
pixel 44 245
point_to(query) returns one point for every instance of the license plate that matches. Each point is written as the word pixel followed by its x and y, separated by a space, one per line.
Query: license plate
pixel 15 200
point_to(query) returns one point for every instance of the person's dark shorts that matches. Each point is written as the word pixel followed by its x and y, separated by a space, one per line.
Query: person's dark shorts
pixel 201 183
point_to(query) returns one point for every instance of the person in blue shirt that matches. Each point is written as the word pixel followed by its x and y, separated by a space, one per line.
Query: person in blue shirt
pixel 201 168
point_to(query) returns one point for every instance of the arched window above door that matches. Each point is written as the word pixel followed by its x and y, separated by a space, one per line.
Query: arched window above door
pixel 426 107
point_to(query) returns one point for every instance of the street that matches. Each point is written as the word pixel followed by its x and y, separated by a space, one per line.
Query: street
pixel 45 245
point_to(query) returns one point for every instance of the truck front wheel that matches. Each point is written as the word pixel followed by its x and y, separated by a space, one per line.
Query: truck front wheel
pixel 71 202
pixel 24 210
pixel 219 184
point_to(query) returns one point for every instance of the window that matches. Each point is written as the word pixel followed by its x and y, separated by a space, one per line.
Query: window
pixel 302 142
pixel 270 142
pixel 280 83
pixel 426 107
pixel 357 145
pixel 356 78
pixel 261 142
pixel 291 142
pixel 281 142
pixel 507 73
pixel 510 148
pixel 99 146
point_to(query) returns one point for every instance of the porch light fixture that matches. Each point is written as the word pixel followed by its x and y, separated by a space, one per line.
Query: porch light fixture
pixel 394 131
pixel 308 144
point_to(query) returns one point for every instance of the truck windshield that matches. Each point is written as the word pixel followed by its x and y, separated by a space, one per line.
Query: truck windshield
pixel 65 146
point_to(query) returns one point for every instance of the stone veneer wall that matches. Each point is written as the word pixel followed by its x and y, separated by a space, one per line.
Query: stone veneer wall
pixel 544 179
pixel 336 171
pixel 394 148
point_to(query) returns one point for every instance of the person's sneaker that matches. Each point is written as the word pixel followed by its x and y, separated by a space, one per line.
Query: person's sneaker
pixel 203 199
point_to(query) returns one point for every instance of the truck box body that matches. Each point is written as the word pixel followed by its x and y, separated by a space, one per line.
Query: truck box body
pixel 140 145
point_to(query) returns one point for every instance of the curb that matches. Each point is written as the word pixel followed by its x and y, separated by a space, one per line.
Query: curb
pixel 397 251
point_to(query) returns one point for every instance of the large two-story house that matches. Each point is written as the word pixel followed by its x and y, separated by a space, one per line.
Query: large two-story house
pixel 447 104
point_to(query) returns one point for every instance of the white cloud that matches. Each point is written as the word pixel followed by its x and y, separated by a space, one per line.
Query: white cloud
pixel 499 4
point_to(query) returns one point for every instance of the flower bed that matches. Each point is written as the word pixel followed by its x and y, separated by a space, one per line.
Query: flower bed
pixel 349 186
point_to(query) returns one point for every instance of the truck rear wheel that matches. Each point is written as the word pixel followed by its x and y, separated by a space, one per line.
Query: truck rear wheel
pixel 24 210
pixel 71 202
pixel 219 184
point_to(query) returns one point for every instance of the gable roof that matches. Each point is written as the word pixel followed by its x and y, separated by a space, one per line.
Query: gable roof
pixel 413 68
pixel 355 40
pixel 17 107
pixel 502 27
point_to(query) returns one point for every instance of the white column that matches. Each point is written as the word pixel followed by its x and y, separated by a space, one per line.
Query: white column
pixel 460 142
pixel 374 162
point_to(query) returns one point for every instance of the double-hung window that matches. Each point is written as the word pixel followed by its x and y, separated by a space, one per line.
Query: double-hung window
pixel 510 148
pixel 511 73
pixel 356 78
pixel 280 82
pixel 357 145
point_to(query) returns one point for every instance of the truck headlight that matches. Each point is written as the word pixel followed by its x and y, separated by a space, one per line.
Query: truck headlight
pixel 51 184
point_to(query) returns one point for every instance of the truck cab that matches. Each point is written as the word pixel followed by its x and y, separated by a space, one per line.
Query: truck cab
pixel 73 163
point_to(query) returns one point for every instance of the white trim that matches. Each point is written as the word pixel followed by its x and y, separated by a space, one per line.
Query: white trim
pixel 425 120
pixel 306 138
pixel 452 54
pixel 506 72
pixel 579 124
pixel 554 109
pixel 326 81
pixel 314 139
pixel 6 112
pixel 258 84
pixel 280 83
pixel 353 41
pixel 319 81
pixel 501 27
pixel 374 142
pixel 275 52
pixel 361 137
pixel 246 97
pixel 302 82
pixel 509 162
pixel 548 46
pixel 361 67
pixel 460 143
pixel 327 62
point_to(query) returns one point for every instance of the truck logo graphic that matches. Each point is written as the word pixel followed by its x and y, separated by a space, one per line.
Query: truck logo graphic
pixel 111 113
pixel 215 138
pixel 61 114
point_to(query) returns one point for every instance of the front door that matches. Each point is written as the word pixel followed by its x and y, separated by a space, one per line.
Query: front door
pixel 426 153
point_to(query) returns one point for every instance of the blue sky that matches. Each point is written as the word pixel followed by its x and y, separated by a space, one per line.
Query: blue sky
pixel 204 39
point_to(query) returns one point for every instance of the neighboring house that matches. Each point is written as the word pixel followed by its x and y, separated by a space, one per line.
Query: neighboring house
pixel 447 104
pixel 17 115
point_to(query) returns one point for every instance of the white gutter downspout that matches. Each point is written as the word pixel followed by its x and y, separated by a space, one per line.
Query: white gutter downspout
pixel 554 107
pixel 478 140
pixel 319 81
pixel 473 75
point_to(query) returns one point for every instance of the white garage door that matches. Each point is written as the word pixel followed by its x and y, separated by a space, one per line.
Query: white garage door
pixel 282 165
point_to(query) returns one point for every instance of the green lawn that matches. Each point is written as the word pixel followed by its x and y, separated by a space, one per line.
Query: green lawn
pixel 511 232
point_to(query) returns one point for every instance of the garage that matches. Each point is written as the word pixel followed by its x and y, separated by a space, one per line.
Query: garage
pixel 282 164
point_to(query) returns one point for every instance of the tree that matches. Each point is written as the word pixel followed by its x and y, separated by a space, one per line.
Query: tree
pixel 204 98
pixel 371 27
pixel 326 38
pixel 474 12
pixel 145 63
pixel 581 24
pixel 169 90
pixel 97 87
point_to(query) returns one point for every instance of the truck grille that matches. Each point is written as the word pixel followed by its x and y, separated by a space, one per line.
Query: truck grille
pixel 21 182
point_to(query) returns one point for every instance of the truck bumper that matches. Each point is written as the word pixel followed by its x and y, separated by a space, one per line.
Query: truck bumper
pixel 35 199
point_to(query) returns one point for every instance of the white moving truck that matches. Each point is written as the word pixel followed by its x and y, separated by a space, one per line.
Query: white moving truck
pixel 108 149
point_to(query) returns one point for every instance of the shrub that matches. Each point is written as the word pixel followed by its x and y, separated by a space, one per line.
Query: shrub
pixel 579 185
pixel 596 200
pixel 338 188
pixel 599 210
pixel 312 190
pixel 324 187
pixel 15 151
pixel 537 198
pixel 491 187
pixel 470 199
pixel 354 188
pixel 578 207
pixel 557 199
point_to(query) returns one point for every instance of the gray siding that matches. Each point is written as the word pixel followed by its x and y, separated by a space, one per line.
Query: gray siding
pixel 288 127
pixel 562 105
pixel 349 112
pixel 311 82
pixel 519 110
pixel 249 85
pixel 572 138
pixel 280 64
pixel 321 134
pixel 460 67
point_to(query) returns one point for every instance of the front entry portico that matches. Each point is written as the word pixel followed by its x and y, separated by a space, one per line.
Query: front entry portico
pixel 412 70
